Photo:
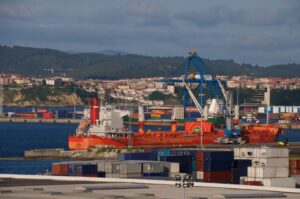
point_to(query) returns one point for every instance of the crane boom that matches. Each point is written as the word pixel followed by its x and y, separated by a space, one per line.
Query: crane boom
pixel 224 94
pixel 199 108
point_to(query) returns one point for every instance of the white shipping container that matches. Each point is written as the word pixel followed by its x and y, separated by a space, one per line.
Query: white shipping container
pixel 279 182
pixel 172 167
pixel 270 162
pixel 267 152
pixel 247 152
pixel 130 175
pixel 112 167
pixel 273 182
pixel 101 166
pixel 198 175
pixel 153 167
pixel 130 168
pixel 276 109
pixel 268 172
pixel 282 109
pixel 295 109
pixel 261 109
pixel 282 172
pixel 112 175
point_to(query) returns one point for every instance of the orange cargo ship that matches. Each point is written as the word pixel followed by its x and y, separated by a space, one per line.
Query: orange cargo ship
pixel 101 129
pixel 257 133
pixel 190 137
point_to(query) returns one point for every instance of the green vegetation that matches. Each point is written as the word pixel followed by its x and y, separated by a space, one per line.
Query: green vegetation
pixel 33 61
pixel 168 99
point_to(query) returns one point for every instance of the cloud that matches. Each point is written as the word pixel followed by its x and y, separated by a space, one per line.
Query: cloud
pixel 221 14
pixel 20 10
pixel 148 13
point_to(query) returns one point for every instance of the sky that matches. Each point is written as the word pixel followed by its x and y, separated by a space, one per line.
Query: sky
pixel 258 32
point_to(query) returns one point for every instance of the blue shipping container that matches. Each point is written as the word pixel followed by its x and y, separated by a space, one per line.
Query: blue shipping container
pixel 138 156
pixel 219 155
pixel 154 174
pixel 217 165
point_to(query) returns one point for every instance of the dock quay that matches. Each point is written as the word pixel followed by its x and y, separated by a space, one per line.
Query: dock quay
pixel 112 153
pixel 39 120
pixel 74 154
pixel 70 187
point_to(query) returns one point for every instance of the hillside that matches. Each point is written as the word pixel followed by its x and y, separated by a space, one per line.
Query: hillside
pixel 33 61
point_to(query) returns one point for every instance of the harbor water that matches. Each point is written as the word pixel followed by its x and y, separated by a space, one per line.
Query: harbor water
pixel 15 138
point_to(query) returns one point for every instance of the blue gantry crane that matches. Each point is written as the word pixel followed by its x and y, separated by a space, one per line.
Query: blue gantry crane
pixel 193 61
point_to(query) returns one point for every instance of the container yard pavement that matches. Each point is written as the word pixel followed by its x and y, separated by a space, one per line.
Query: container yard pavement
pixel 59 187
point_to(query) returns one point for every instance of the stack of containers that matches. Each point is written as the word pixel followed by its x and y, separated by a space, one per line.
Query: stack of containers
pixel 207 165
pixel 185 157
pixel 82 168
pixel 239 169
pixel 217 166
pixel 75 168
pixel 116 169
pixel 269 166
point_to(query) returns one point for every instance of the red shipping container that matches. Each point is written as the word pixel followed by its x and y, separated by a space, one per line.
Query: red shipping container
pixel 199 165
pixel 48 115
pixel 41 111
pixel 295 171
pixel 294 164
pixel 217 176
pixel 199 155
pixel 253 183
pixel 59 169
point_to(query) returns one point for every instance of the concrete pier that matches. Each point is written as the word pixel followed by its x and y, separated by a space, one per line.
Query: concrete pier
pixel 40 120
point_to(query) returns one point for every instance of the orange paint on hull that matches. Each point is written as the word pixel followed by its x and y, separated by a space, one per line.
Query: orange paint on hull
pixel 254 134
pixel 190 137
pixel 146 139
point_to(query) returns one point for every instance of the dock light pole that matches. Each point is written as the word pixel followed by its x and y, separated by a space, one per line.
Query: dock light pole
pixel 185 182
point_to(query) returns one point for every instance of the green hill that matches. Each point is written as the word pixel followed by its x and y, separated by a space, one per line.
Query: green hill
pixel 33 61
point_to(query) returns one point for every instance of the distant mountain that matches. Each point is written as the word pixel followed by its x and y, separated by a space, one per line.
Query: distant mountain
pixel 118 64
pixel 113 52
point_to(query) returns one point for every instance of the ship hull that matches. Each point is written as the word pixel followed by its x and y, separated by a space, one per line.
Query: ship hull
pixel 255 134
pixel 157 139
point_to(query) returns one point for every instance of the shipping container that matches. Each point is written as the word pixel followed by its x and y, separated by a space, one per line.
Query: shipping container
pixel 294 163
pixel 153 167
pixel 130 167
pixel 217 165
pixel 219 155
pixel 270 162
pixel 217 176
pixel 59 169
pixel 294 171
pixel 152 155
pixel 268 172
pixel 185 162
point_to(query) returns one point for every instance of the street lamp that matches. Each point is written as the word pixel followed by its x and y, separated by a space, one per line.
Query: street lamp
pixel 185 182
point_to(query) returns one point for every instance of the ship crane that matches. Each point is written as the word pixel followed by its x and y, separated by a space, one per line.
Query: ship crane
pixel 232 134
pixel 198 106
pixel 227 97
